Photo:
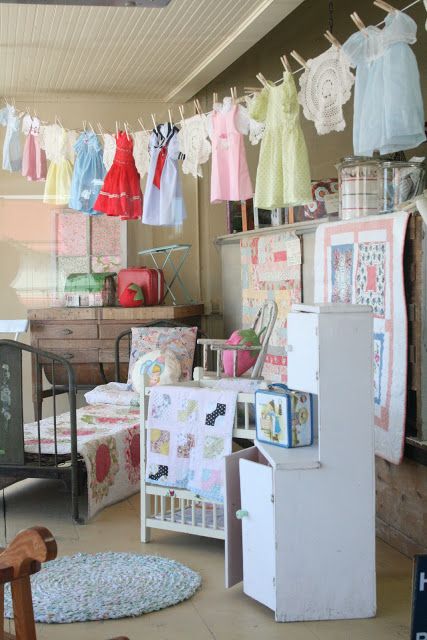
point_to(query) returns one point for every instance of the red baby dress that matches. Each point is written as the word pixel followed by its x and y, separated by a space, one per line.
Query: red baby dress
pixel 120 194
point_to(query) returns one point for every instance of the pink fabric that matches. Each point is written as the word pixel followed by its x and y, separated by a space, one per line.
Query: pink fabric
pixel 33 159
pixel 230 178
pixel 245 359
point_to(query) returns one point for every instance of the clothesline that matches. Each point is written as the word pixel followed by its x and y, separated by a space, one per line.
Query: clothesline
pixel 206 113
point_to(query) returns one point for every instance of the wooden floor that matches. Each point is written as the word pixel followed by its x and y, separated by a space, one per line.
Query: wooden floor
pixel 213 612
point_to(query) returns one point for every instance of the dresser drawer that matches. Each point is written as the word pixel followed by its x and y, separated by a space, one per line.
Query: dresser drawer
pixel 61 331
pixel 74 356
pixel 111 331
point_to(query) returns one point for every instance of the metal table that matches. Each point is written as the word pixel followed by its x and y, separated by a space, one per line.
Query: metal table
pixel 166 254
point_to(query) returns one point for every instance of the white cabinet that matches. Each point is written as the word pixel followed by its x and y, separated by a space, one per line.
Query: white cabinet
pixel 305 544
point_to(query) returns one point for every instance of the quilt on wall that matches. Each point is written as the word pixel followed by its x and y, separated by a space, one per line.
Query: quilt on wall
pixel 271 269
pixel 361 262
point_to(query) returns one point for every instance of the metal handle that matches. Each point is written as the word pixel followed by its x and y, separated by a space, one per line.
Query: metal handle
pixel 67 332
pixel 241 513
pixel 68 356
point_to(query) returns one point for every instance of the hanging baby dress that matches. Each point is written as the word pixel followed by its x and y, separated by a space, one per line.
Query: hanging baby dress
pixel 388 105
pixel 109 150
pixel 141 144
pixel 59 146
pixel 283 175
pixel 194 144
pixel 325 87
pixel 34 166
pixel 164 202
pixel 230 179
pixel 12 155
pixel 89 172
pixel 120 195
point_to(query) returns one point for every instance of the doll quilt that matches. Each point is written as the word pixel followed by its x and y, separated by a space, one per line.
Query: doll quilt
pixel 189 431
pixel 361 262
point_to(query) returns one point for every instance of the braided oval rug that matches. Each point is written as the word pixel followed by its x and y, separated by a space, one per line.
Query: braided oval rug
pixel 105 586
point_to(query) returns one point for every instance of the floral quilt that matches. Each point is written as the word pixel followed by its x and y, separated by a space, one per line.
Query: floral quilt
pixel 107 440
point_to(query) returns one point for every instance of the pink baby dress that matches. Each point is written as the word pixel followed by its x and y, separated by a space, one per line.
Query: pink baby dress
pixel 34 157
pixel 230 178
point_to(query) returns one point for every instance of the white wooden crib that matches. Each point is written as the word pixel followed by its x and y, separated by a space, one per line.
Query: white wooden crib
pixel 180 509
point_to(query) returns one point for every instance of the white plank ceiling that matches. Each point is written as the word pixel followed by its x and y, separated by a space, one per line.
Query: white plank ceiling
pixel 149 54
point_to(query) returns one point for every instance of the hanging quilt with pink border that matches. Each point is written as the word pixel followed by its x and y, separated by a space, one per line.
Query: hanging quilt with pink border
pixel 271 270
pixel 361 262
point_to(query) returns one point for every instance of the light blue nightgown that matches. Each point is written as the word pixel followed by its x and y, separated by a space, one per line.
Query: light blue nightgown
pixel 12 154
pixel 388 105
pixel 88 174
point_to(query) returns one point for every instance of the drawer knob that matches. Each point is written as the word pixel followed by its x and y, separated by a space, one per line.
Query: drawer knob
pixel 241 513
pixel 67 332
pixel 68 356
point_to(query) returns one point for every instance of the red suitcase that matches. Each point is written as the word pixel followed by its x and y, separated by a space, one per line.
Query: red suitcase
pixel 151 281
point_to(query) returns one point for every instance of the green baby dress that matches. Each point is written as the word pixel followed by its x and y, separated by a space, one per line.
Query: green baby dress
pixel 283 175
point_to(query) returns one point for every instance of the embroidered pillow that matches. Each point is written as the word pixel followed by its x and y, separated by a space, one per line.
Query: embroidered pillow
pixel 156 367
pixel 180 340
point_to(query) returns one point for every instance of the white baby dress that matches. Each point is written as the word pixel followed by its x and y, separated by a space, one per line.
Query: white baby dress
pixel 163 201
pixel 388 105
pixel 141 144
pixel 12 154
pixel 325 87
pixel 194 145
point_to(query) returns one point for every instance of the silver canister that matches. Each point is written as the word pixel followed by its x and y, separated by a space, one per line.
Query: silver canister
pixel 359 187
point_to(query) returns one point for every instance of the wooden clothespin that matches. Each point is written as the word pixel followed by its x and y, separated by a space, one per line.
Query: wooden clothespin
pixel 214 98
pixel 170 117
pixel 385 6
pixel 92 129
pixel 181 112
pixel 233 91
pixel 296 56
pixel 100 129
pixel 141 124
pixel 332 39
pixel 285 62
pixel 357 21
pixel 261 79
pixel 153 118
pixel 117 128
pixel 198 106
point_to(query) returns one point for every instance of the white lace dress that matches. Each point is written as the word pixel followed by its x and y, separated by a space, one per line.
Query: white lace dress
pixel 194 145
pixel 59 146
pixel 141 155
pixel 325 87
pixel 109 150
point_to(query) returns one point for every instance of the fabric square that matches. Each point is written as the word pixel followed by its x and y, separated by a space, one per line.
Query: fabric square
pixel 213 447
pixel 186 442
pixel 342 273
pixel 159 441
pixel 188 411
pixel 370 277
pixel 180 340
pixel 212 416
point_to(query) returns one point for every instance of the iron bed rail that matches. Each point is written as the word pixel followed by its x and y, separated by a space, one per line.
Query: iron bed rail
pixel 14 461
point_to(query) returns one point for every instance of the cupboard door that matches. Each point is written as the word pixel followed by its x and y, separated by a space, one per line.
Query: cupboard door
pixel 303 352
pixel 259 575
pixel 232 525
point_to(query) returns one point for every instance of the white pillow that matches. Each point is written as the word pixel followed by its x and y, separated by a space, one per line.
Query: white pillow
pixel 155 367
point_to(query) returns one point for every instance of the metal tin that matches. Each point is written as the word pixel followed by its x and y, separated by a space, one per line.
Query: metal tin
pixel 359 187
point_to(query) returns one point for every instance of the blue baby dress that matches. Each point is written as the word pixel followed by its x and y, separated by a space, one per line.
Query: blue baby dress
pixel 12 154
pixel 388 105
pixel 88 175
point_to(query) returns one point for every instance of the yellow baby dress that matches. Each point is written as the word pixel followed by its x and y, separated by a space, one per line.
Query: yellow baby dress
pixel 283 174
pixel 59 146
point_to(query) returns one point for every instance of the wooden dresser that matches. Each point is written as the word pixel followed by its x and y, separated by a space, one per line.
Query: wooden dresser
pixel 86 337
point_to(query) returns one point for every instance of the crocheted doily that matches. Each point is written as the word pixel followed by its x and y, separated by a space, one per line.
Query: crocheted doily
pixel 106 586
pixel 325 86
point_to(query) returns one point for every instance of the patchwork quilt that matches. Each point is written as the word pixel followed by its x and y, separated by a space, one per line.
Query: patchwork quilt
pixel 361 262
pixel 189 431
pixel 108 441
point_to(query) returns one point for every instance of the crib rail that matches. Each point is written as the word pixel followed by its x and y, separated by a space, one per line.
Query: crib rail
pixel 15 463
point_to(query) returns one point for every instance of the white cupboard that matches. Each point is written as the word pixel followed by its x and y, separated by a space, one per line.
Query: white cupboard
pixel 304 538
